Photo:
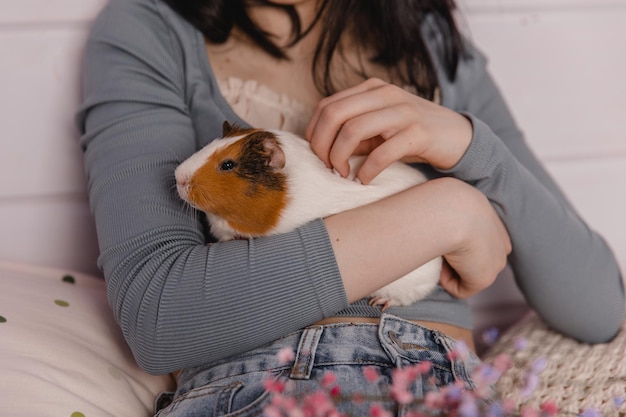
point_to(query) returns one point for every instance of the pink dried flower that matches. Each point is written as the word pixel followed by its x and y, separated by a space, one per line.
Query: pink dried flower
pixel 318 404
pixel 529 412
pixel 434 400
pixel 274 386
pixel 272 411
pixel 285 355
pixel 377 410
pixel 281 405
pixel 508 405
pixel 328 379
pixel 549 408
pixel 284 402
pixel 371 374
pixel 402 378
pixel 400 394
pixel 424 367
pixel 453 400
pixel 502 362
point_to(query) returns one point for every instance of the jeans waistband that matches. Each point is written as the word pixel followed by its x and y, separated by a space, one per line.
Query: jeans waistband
pixel 393 342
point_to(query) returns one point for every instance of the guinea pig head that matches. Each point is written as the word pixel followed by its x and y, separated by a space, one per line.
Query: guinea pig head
pixel 238 178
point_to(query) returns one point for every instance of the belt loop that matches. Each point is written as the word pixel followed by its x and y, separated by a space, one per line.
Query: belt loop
pixel 303 364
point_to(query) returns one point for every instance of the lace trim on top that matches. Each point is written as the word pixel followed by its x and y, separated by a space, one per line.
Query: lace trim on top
pixel 263 107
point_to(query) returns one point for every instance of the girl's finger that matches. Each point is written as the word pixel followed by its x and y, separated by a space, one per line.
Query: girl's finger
pixel 383 123
pixel 333 115
pixel 367 85
pixel 391 150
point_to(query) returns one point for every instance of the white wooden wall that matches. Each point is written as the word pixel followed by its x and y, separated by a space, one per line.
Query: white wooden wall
pixel 44 218
pixel 560 64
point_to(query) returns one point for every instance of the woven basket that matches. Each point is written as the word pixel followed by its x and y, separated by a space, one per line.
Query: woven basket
pixel 577 376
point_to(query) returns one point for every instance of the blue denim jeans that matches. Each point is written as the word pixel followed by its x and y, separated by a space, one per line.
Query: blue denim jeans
pixel 235 387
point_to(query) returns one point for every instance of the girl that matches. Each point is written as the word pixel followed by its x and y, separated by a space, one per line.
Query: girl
pixel 390 79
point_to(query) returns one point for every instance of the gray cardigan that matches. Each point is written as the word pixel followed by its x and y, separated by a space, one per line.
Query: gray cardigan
pixel 150 100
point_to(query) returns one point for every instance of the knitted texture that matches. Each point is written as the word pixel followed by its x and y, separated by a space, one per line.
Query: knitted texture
pixel 576 376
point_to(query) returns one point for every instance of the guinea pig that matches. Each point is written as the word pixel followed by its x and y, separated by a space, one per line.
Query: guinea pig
pixel 254 182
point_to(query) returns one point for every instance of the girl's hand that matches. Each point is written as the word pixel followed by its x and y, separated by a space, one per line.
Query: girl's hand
pixel 481 253
pixel 444 216
pixel 388 124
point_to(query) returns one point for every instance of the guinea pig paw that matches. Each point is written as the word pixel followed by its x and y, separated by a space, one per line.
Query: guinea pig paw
pixel 383 302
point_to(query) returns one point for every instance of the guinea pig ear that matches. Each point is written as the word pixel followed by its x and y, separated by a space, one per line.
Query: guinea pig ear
pixel 276 156
pixel 227 128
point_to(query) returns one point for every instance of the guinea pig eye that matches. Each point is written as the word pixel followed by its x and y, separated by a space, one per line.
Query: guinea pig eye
pixel 227 165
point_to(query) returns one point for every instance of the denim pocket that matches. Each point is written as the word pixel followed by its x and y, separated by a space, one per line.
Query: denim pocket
pixel 242 396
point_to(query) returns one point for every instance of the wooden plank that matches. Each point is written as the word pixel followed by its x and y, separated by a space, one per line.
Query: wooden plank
pixel 39 80
pixel 562 74
pixel 57 232
pixel 491 6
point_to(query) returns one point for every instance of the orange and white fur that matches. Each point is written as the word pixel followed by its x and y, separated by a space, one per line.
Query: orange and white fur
pixel 254 182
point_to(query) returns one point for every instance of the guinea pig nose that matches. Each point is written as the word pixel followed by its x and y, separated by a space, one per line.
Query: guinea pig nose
pixel 182 186
pixel 182 179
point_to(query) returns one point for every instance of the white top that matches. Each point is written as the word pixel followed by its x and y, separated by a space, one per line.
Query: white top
pixel 263 107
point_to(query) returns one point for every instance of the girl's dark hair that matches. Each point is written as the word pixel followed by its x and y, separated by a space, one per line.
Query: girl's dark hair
pixel 391 29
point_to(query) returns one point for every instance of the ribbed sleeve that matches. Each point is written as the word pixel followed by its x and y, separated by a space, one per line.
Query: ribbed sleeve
pixel 566 271
pixel 180 302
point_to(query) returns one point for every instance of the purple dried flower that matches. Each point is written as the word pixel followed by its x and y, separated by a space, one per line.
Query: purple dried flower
pixel 520 343
pixel 539 365
pixel 531 382
pixel 460 351
pixel 468 407
pixel 590 412
pixel 453 393
pixel 495 410
pixel 490 336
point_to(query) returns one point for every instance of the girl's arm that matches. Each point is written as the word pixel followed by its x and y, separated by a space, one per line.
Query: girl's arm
pixel 565 269
pixel 180 302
